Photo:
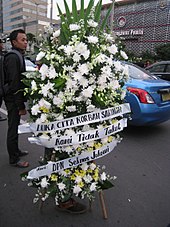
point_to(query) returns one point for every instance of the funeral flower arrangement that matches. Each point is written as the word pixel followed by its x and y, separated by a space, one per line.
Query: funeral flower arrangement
pixel 80 80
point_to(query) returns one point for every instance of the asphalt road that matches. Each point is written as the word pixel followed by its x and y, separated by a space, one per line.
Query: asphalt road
pixel 140 198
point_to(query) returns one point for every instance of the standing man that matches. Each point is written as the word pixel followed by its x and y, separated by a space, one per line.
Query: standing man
pixel 14 66
pixel 1 68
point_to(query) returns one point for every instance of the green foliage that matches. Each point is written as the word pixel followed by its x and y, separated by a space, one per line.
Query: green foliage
pixel 163 52
pixel 76 15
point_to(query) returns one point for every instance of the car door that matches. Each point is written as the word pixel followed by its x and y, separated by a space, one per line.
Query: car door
pixel 158 70
pixel 167 72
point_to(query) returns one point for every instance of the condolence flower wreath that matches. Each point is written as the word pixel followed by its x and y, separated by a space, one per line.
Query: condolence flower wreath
pixel 81 78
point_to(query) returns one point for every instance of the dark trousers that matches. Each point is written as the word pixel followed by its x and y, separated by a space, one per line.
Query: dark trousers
pixel 12 134
pixel 0 101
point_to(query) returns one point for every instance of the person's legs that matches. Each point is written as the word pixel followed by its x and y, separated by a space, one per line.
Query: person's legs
pixel 12 134
pixel 1 118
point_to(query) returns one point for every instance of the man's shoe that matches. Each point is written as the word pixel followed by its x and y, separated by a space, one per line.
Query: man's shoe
pixel 23 153
pixel 72 207
pixel 20 164
pixel 3 118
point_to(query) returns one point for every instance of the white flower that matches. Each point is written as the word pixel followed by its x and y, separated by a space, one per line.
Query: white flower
pixel 106 70
pixel 76 189
pixel 58 101
pixel 52 73
pixel 44 71
pixel 84 166
pixel 44 183
pixel 35 109
pixel 56 33
pixel 92 166
pixel 92 23
pixel 104 140
pixel 86 54
pixel 93 186
pixel 43 118
pixel 93 39
pixel 68 50
pixel 78 179
pixel 71 108
pixel 46 88
pixel 103 176
pixel 87 92
pixel 74 27
pixel 40 55
pixel 113 49
pixel 90 108
pixel 126 70
pixel 33 85
pixel 83 81
pixel 87 178
pixel 118 66
pixel 81 48
pixel 83 69
pixel 44 103
pixel 76 57
pixel 123 54
pixel 61 186
pixel 69 132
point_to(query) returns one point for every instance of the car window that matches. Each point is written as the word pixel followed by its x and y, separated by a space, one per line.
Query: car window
pixel 168 68
pixel 157 68
pixel 139 73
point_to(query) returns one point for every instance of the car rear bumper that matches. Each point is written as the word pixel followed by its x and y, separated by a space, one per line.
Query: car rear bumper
pixel 149 114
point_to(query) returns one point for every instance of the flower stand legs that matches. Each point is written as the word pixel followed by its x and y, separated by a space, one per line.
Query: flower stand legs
pixel 103 205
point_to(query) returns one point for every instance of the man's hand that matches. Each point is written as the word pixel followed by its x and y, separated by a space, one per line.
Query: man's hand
pixel 22 112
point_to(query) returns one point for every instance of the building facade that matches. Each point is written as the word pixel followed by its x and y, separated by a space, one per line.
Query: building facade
pixel 142 25
pixel 30 15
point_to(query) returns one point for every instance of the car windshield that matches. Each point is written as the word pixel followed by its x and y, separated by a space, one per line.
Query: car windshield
pixel 139 73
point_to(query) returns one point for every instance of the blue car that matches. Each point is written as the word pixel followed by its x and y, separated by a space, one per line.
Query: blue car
pixel 149 97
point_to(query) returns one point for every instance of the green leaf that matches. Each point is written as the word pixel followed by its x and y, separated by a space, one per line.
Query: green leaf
pixel 98 11
pixel 106 18
pixel 59 82
pixel 82 10
pixel 68 13
pixel 88 10
pixel 106 185
pixel 74 11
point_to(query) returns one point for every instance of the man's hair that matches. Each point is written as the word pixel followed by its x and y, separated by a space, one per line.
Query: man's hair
pixel 13 35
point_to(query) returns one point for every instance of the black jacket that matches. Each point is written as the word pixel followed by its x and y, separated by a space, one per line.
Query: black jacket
pixel 13 76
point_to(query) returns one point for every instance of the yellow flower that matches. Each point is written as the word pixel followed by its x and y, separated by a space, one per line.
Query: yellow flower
pixel 89 170
pixel 77 172
pixel 44 109
pixel 53 177
pixel 81 184
pixel 82 173
pixel 90 148
pixel 73 177
pixel 67 171
pixel 110 138
pixel 79 149
pixel 97 145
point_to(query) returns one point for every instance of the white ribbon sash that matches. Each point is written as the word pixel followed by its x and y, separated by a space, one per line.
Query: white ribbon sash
pixel 54 167
pixel 83 119
pixel 81 137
